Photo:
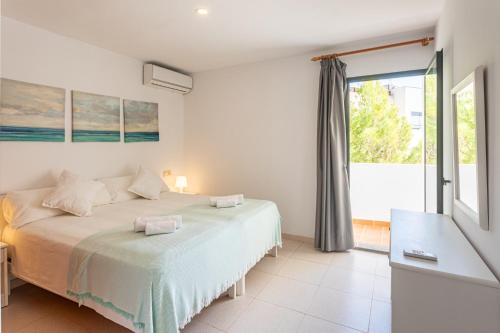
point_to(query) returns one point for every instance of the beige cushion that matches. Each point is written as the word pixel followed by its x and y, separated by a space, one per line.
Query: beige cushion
pixel 73 194
pixel 103 197
pixel 118 188
pixel 147 184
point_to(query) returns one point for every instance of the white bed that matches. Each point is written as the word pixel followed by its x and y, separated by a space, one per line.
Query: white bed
pixel 40 251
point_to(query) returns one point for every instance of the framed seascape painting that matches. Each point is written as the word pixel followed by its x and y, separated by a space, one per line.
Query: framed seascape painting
pixel 141 121
pixel 31 112
pixel 96 118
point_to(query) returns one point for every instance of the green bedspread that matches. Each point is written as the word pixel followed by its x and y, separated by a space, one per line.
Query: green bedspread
pixel 160 282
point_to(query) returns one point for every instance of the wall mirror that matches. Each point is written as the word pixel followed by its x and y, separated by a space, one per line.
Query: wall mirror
pixel 469 153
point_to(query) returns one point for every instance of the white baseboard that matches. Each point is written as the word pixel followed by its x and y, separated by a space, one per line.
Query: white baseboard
pixel 16 282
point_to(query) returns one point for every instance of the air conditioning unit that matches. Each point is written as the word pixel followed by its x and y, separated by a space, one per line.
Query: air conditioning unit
pixel 156 76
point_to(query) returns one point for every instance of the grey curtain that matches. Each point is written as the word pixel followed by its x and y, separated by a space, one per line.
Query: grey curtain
pixel 333 204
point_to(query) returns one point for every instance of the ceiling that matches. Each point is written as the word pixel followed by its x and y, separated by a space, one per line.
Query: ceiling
pixel 234 31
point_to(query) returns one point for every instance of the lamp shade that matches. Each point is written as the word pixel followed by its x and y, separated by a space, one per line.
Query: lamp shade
pixel 181 182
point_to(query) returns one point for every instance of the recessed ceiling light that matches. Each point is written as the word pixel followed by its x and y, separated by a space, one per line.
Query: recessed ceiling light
pixel 201 11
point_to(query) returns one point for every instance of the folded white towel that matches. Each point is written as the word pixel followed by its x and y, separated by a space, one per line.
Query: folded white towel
pixel 235 197
pixel 226 203
pixel 160 227
pixel 141 222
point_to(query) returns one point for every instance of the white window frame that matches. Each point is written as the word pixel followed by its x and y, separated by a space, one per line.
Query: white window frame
pixel 462 211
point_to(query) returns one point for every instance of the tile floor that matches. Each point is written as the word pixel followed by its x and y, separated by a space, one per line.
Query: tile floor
pixel 302 290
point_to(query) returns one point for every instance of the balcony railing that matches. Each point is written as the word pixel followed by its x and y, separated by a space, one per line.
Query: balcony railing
pixel 377 187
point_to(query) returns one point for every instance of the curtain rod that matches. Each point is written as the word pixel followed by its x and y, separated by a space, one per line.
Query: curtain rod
pixel 424 41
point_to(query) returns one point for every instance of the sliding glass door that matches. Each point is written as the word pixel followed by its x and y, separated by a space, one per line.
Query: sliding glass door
pixel 395 127
pixel 386 140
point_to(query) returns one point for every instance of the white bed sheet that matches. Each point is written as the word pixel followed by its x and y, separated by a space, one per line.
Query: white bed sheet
pixel 41 250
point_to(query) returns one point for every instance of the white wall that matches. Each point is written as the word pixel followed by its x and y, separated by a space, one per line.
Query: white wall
pixel 34 55
pixel 468 31
pixel 252 128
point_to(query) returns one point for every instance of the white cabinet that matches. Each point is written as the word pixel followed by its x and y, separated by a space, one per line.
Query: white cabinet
pixel 458 293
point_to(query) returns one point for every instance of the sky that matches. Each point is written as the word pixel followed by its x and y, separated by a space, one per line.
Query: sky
pixel 31 105
pixel 95 112
pixel 140 116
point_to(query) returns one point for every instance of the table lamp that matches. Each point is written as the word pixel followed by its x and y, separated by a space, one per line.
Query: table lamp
pixel 181 183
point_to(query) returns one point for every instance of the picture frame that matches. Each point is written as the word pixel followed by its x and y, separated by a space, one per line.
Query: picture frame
pixel 141 122
pixel 31 112
pixel 95 118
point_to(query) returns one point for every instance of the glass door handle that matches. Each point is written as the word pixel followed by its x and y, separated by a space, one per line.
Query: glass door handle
pixel 445 181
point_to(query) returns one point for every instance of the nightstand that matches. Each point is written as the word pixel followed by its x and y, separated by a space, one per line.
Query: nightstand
pixel 4 275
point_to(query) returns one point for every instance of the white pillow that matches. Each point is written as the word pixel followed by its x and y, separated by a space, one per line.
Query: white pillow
pixel 73 195
pixel 23 207
pixel 3 222
pixel 118 188
pixel 103 197
pixel 147 184
pixel 164 186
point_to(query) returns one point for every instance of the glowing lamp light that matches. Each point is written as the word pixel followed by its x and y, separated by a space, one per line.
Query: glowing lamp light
pixel 201 11
pixel 181 183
